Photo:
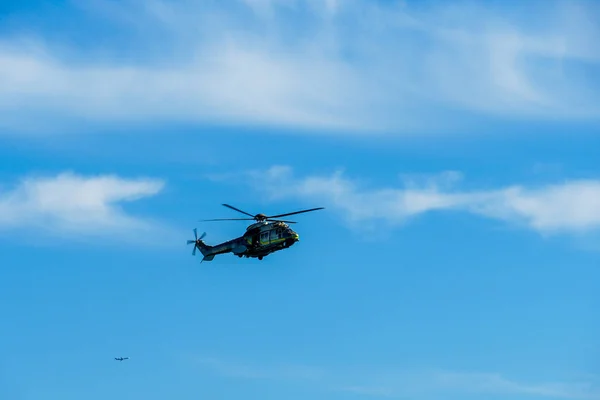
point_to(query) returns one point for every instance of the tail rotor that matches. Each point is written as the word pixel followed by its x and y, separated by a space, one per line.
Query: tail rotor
pixel 196 241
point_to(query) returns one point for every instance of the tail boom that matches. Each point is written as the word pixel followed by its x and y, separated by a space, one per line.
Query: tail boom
pixel 209 252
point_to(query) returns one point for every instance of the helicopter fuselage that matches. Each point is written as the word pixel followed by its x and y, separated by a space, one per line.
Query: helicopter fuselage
pixel 259 240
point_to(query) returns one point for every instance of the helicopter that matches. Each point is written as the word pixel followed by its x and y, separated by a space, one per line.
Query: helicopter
pixel 121 358
pixel 267 235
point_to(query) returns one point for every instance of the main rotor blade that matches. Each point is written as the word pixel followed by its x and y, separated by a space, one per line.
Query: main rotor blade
pixel 295 212
pixel 238 210
pixel 228 219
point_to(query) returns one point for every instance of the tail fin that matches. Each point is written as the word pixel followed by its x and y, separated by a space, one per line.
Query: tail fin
pixel 205 250
pixel 203 247
pixel 200 245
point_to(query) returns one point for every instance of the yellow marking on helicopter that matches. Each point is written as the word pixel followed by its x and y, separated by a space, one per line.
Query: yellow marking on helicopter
pixel 278 240
pixel 272 241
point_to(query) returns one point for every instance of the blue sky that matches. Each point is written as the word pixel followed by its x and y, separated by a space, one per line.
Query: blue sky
pixel 454 146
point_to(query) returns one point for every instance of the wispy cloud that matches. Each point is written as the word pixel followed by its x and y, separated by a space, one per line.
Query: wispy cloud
pixel 452 383
pixel 356 65
pixel 498 384
pixel 397 384
pixel 567 207
pixel 73 205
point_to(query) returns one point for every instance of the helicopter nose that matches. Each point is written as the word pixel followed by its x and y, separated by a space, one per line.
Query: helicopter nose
pixel 296 237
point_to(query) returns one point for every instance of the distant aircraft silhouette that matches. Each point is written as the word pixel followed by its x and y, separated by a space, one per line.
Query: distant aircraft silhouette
pixel 121 358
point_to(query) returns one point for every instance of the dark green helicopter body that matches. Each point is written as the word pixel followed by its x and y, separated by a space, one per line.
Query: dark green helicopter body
pixel 262 238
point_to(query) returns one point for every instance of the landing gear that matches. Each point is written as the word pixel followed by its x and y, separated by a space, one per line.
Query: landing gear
pixel 260 257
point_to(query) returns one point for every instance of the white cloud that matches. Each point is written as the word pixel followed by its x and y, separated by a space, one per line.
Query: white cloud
pixel 74 205
pixel 355 65
pixel 443 383
pixel 497 384
pixel 559 208
pixel 416 383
